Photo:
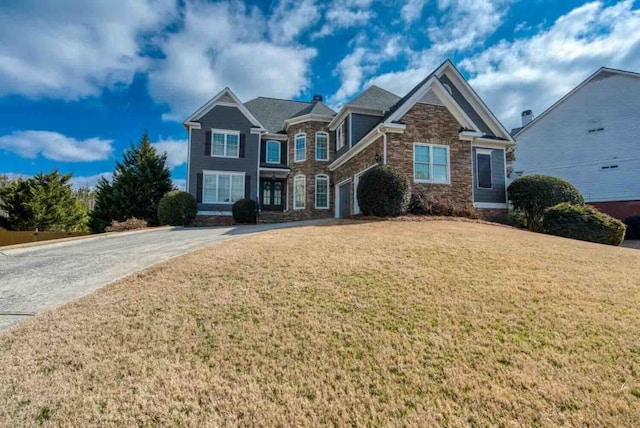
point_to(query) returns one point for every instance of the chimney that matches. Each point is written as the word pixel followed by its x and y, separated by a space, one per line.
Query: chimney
pixel 527 117
pixel 317 98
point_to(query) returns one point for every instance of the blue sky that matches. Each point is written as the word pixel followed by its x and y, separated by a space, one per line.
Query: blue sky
pixel 79 80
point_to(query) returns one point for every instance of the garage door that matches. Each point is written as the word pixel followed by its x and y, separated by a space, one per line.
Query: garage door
pixel 345 200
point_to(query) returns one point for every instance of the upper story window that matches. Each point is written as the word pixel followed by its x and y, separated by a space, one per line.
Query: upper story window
pixel 322 146
pixel 300 148
pixel 273 152
pixel 299 192
pixel 221 187
pixel 483 169
pixel 340 137
pixel 322 191
pixel 430 163
pixel 225 144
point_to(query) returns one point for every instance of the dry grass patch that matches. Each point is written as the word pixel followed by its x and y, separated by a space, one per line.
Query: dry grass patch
pixel 434 323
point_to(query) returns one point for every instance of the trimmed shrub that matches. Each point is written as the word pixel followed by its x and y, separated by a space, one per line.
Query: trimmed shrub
pixel 244 211
pixel 583 222
pixel 177 208
pixel 633 227
pixel 128 224
pixel 383 192
pixel 533 194
pixel 423 203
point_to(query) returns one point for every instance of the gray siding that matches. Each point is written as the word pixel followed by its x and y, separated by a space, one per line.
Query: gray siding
pixel 464 104
pixel 497 194
pixel 223 117
pixel 361 125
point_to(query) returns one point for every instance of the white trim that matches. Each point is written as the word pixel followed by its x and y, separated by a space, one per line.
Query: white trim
pixel 489 153
pixel 337 196
pixel 266 152
pixel 295 138
pixel 315 196
pixel 218 213
pixel 277 137
pixel 356 181
pixel 364 142
pixel 304 199
pixel 258 131
pixel 573 91
pixel 494 144
pixel 490 205
pixel 350 130
pixel 283 169
pixel 188 159
pixel 307 118
pixel 431 146
pixel 206 172
pixel 340 136
pixel 209 105
pixel 226 133
pixel 326 134
pixel 194 125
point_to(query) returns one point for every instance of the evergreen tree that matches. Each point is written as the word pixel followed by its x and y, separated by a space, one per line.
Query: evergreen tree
pixel 43 202
pixel 104 206
pixel 140 181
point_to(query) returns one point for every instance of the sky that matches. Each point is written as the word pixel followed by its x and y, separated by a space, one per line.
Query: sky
pixel 80 80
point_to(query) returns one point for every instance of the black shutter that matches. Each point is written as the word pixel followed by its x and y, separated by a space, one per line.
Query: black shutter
pixel 199 187
pixel 283 152
pixel 242 144
pixel 263 151
pixel 247 187
pixel 207 144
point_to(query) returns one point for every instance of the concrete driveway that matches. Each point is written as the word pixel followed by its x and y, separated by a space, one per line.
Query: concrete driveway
pixel 37 279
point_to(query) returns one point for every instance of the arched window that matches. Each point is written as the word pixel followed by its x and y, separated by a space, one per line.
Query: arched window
pixel 299 192
pixel 300 148
pixel 273 151
pixel 322 146
pixel 322 192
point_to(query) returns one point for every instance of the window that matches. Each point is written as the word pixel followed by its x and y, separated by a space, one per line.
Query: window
pixel 340 137
pixel 300 148
pixel 298 192
pixel 430 163
pixel 225 144
pixel 322 192
pixel 273 152
pixel 483 169
pixel 222 187
pixel 322 146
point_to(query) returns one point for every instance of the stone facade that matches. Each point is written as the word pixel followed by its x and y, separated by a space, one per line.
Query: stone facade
pixel 431 124
pixel 310 167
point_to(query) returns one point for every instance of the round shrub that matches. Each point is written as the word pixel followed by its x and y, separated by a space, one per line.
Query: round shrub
pixel 383 192
pixel 244 211
pixel 177 208
pixel 533 194
pixel 633 227
pixel 583 222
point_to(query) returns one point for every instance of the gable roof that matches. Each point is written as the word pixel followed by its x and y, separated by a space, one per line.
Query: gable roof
pixel 374 97
pixel 272 112
pixel 225 97
pixel 601 73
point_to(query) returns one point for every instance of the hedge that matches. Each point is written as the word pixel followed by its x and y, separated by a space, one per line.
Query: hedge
pixel 583 222
pixel 633 227
pixel 383 192
pixel 244 211
pixel 177 208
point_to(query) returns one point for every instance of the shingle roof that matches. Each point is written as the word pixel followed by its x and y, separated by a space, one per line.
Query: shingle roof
pixel 374 97
pixel 272 112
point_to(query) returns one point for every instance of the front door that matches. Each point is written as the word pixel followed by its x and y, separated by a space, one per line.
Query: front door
pixel 272 194
pixel 345 200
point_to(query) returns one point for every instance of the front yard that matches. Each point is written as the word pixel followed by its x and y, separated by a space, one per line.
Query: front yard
pixel 433 323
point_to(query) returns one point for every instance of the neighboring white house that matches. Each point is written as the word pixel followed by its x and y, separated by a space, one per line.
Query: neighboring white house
pixel 591 138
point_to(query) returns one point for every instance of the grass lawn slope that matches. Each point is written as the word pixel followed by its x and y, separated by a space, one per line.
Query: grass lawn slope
pixel 431 323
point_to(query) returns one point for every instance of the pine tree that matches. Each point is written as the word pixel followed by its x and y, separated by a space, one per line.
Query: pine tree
pixel 104 206
pixel 43 202
pixel 140 181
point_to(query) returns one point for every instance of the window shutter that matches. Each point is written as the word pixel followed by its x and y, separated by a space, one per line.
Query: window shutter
pixel 247 187
pixel 199 187
pixel 283 152
pixel 207 144
pixel 241 150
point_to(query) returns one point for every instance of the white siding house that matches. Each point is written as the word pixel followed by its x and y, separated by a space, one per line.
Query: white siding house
pixel 591 138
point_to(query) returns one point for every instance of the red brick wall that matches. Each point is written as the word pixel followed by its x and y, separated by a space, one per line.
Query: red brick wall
pixel 618 209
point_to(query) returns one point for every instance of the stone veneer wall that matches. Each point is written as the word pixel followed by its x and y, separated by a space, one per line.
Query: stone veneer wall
pixel 432 124
pixel 310 167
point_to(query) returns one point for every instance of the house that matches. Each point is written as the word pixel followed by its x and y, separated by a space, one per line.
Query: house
pixel 589 138
pixel 303 160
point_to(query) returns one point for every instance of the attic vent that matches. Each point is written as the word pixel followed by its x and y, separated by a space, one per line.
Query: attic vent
pixel 594 126
pixel 448 88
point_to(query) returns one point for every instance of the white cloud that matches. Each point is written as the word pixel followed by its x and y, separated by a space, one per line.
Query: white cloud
pixel 290 18
pixel 537 71
pixel 222 44
pixel 55 146
pixel 342 14
pixel 180 183
pixel 412 10
pixel 176 151
pixel 69 49
pixel 90 180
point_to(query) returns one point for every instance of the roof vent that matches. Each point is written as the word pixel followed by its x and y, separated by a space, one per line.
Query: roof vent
pixel 527 117
pixel 317 98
